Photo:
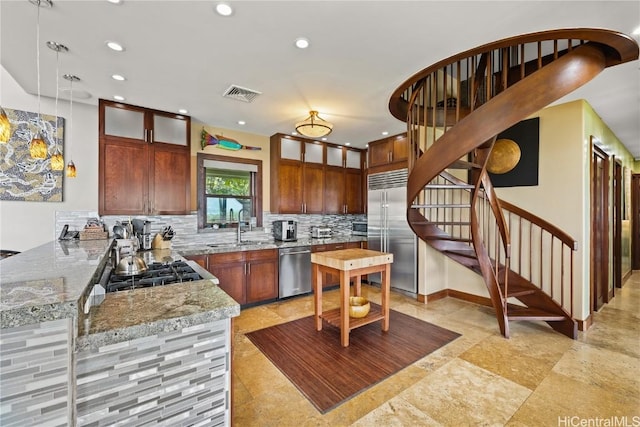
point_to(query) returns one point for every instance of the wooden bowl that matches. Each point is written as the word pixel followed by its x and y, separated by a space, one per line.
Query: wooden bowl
pixel 358 307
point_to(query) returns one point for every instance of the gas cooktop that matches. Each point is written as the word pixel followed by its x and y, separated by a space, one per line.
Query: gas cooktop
pixel 157 274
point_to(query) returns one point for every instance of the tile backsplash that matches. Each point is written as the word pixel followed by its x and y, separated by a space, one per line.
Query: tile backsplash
pixel 186 226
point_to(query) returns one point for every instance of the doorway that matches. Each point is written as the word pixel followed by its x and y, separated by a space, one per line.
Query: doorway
pixel 599 226
pixel 635 222
pixel 617 227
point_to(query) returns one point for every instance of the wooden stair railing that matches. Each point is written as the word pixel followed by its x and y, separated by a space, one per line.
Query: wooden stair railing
pixel 454 110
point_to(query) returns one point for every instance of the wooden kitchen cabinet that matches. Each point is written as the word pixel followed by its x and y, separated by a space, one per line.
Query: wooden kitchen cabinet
pixel 201 260
pixel 311 177
pixel 297 175
pixel 328 279
pixel 343 181
pixel 144 161
pixel 388 153
pixel 247 276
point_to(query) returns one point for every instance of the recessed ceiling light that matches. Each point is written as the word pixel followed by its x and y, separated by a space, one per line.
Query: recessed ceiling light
pixel 118 77
pixel 115 1
pixel 114 46
pixel 224 9
pixel 636 32
pixel 118 97
pixel 324 139
pixel 294 133
pixel 183 111
pixel 302 43
pixel 242 122
pixel 347 143
pixel 385 133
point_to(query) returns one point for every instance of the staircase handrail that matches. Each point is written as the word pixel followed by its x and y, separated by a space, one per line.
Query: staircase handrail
pixel 622 49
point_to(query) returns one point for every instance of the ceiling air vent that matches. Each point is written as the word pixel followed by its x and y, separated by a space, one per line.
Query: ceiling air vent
pixel 241 93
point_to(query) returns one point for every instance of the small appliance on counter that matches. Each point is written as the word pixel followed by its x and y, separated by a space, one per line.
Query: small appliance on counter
pixel 359 228
pixel 142 231
pixel 321 232
pixel 285 230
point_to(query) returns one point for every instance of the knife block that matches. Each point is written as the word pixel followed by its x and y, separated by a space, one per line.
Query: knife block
pixel 158 243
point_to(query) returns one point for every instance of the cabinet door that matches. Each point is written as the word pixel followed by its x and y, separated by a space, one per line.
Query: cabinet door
pixel 171 180
pixel 290 149
pixel 379 153
pixel 124 178
pixel 334 190
pixel 290 187
pixel 200 259
pixel 232 278
pixel 262 280
pixel 123 121
pixel 169 129
pixel 400 149
pixel 353 159
pixel 314 152
pixel 334 156
pixel 353 191
pixel 313 188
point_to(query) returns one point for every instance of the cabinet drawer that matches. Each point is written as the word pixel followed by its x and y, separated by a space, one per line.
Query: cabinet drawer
pixel 261 254
pixel 225 258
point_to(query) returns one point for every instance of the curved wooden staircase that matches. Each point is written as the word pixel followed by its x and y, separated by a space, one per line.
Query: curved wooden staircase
pixel 454 109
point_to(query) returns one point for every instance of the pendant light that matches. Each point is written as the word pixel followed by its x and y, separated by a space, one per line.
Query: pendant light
pixel 57 161
pixel 71 167
pixel 313 126
pixel 5 127
pixel 37 147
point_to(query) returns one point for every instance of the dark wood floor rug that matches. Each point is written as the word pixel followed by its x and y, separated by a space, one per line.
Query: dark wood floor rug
pixel 329 374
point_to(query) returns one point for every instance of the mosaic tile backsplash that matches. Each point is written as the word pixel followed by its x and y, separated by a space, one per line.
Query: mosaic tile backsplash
pixel 186 226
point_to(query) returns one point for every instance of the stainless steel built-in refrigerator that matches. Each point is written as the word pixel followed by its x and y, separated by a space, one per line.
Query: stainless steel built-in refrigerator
pixel 388 230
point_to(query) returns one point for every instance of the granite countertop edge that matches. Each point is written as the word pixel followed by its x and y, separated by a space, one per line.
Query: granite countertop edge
pixel 99 340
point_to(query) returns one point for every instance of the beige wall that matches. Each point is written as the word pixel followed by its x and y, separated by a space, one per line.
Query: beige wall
pixel 561 197
pixel 243 138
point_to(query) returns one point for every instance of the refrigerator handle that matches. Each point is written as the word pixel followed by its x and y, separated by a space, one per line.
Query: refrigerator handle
pixel 382 221
pixel 385 221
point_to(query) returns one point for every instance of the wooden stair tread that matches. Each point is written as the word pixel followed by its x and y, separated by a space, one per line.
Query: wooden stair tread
pixel 449 186
pixel 462 164
pixel 516 312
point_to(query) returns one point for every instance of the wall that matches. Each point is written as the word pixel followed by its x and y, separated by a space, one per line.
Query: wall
pixel 24 225
pixel 562 197
pixel 243 138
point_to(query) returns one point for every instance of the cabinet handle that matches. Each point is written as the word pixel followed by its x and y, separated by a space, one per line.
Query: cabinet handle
pixel 248 269
pixel 150 136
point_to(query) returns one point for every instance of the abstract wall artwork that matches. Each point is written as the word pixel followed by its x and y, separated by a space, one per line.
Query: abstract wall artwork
pixel 515 156
pixel 23 178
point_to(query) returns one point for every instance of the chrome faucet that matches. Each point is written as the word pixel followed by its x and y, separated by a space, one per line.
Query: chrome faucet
pixel 240 212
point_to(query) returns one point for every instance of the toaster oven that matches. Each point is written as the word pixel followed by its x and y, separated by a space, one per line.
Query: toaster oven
pixel 320 232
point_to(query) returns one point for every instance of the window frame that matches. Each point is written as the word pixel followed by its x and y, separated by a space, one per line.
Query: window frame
pixel 201 177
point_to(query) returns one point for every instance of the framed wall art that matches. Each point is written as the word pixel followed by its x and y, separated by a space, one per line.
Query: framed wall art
pixel 23 178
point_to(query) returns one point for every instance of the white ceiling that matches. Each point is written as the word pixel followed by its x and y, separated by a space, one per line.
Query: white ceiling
pixel 181 54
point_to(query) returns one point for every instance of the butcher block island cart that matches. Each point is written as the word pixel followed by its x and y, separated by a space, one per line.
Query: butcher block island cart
pixel 348 263
pixel 159 354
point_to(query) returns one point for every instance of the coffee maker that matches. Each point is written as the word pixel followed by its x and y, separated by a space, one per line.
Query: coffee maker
pixel 142 231
pixel 285 230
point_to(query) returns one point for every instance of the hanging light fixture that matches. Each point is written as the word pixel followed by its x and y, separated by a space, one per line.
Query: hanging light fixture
pixel 313 126
pixel 57 161
pixel 37 147
pixel 71 167
pixel 5 127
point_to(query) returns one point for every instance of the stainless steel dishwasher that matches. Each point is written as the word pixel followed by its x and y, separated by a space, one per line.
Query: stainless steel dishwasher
pixel 295 271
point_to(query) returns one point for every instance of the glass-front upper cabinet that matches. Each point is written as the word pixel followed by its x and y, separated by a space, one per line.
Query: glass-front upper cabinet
pixel 290 149
pixel 343 157
pixel 313 152
pixel 128 121
pixel 334 156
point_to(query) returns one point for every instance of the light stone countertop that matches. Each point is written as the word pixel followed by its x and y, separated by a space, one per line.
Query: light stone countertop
pixel 46 282
pixel 203 248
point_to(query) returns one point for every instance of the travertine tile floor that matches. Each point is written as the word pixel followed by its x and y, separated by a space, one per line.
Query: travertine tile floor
pixel 536 378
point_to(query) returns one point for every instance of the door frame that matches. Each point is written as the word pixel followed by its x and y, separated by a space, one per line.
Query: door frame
pixel 599 221
pixel 635 222
pixel 617 225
